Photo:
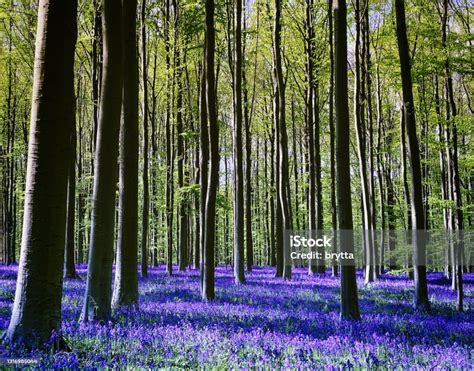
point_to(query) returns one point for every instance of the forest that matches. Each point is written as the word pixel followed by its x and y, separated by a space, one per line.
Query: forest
pixel 159 159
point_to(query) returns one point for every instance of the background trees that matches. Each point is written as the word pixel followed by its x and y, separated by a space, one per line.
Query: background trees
pixel 190 131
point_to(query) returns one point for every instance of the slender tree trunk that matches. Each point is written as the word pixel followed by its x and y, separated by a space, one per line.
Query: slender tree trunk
pixel 278 224
pixel 248 151
pixel 126 274
pixel 204 168
pixel 349 298
pixel 332 136
pixel 282 138
pixel 80 202
pixel 309 46
pixel 213 140
pixel 169 149
pixel 69 266
pixel 98 295
pixel 37 307
pixel 359 95
pixel 238 179
pixel 146 191
pixel 371 170
pixel 182 204
pixel 197 175
pixel 418 223
pixel 458 218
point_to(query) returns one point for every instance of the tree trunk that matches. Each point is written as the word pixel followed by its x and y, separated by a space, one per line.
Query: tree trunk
pixel 126 275
pixel 418 223
pixel 349 298
pixel 310 127
pixel 69 266
pixel 169 149
pixel 146 191
pixel 37 307
pixel 359 96
pixel 97 299
pixel 332 136
pixel 182 204
pixel 238 184
pixel 282 138
pixel 213 145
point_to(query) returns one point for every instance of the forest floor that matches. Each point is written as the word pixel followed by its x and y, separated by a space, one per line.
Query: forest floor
pixel 264 323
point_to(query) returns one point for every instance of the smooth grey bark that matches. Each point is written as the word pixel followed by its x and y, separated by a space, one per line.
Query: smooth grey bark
pixel 37 307
pixel 182 206
pixel 359 115
pixel 418 222
pixel 349 298
pixel 332 142
pixel 238 168
pixel 146 190
pixel 207 278
pixel 98 295
pixel 458 218
pixel 169 144
pixel 126 270
pixel 309 46
pixel 282 138
pixel 203 169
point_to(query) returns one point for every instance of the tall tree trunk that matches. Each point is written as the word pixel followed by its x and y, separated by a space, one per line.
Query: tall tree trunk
pixel 69 266
pixel 278 216
pixel 332 136
pixel 146 191
pixel 126 274
pixel 203 168
pixel 282 138
pixel 97 299
pixel 458 244
pixel 359 96
pixel 349 298
pixel 197 175
pixel 213 140
pixel 248 150
pixel 169 149
pixel 418 223
pixel 309 46
pixel 238 179
pixel 80 201
pixel 182 205
pixel 37 307
pixel 371 170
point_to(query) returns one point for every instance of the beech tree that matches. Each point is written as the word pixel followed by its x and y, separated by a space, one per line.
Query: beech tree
pixel 239 255
pixel 37 307
pixel 98 295
pixel 207 272
pixel 417 214
pixel 126 275
pixel 349 298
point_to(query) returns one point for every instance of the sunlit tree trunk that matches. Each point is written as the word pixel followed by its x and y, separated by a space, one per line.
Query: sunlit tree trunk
pixel 98 295
pixel 418 223
pixel 238 175
pixel 36 310
pixel 282 137
pixel 146 191
pixel 126 275
pixel 207 275
pixel 349 298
